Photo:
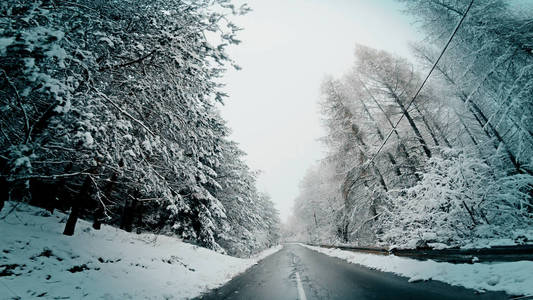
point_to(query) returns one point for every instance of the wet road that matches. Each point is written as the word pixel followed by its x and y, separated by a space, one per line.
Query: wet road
pixel 296 272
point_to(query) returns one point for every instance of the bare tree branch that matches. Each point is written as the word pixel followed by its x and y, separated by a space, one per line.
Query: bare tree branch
pixel 135 61
pixel 47 176
pixel 123 111
pixel 19 102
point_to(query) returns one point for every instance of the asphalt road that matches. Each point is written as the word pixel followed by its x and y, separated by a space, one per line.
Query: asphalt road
pixel 296 272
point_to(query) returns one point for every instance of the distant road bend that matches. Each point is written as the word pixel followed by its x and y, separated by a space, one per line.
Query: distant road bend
pixel 296 272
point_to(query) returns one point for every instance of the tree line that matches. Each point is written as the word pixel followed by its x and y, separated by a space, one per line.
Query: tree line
pixel 109 111
pixel 458 168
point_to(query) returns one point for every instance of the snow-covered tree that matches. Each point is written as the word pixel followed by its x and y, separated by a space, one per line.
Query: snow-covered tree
pixel 437 181
pixel 459 200
pixel 252 219
pixel 489 65
pixel 109 107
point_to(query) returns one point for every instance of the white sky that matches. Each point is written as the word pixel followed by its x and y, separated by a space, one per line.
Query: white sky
pixel 288 46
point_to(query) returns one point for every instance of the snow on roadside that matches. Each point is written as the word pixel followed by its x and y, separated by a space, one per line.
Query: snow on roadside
pixel 515 278
pixel 37 261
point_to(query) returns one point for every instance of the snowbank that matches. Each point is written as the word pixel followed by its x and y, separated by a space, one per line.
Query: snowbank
pixel 515 278
pixel 37 261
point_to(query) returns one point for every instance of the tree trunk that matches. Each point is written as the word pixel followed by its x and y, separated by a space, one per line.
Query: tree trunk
pixel 43 194
pixel 4 186
pixel 412 123
pixel 72 220
pixel 127 217
pixel 426 124
pixel 99 214
pixel 76 207
pixel 442 135
pixel 480 117
pixel 400 143
pixel 345 232
pixel 381 137
pixel 470 134
pixel 490 131
pixel 128 214
pixel 377 172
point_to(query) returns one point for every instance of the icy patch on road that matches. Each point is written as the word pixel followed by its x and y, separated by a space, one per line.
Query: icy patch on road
pixel 515 278
pixel 37 261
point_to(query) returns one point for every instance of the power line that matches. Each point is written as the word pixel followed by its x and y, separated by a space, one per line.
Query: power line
pixel 423 83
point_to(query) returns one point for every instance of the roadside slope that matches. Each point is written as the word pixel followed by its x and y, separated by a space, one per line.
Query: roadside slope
pixel 37 261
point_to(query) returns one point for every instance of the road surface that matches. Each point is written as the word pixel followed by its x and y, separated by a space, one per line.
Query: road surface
pixel 296 272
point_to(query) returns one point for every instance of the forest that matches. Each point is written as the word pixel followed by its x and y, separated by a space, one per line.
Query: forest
pixel 450 165
pixel 121 177
pixel 109 111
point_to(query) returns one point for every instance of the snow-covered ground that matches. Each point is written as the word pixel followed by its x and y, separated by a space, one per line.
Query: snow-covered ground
pixel 515 278
pixel 37 261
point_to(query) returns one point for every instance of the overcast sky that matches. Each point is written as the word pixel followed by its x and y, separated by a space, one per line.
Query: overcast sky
pixel 288 46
